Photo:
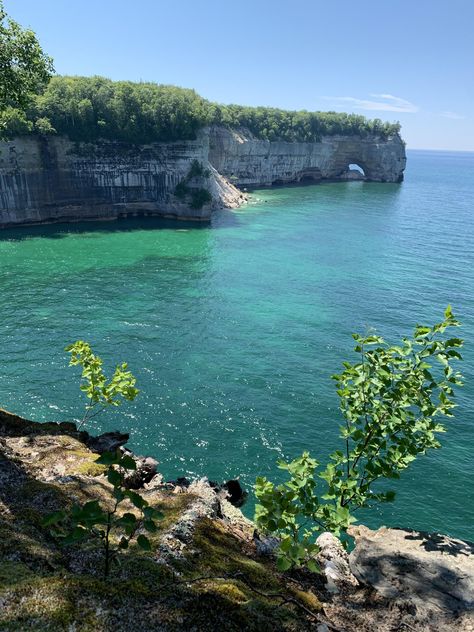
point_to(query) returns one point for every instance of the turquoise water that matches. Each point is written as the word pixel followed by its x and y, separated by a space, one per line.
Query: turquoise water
pixel 234 329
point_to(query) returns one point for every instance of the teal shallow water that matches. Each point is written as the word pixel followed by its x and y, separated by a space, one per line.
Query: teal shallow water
pixel 233 330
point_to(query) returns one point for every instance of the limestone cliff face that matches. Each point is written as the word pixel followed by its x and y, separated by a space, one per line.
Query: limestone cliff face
pixel 53 179
pixel 248 161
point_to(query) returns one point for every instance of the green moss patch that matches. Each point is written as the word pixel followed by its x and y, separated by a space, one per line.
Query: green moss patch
pixel 45 586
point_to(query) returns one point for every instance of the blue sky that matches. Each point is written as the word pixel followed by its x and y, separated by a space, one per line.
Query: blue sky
pixel 411 61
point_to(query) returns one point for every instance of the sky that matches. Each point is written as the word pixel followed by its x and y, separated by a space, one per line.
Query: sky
pixel 406 60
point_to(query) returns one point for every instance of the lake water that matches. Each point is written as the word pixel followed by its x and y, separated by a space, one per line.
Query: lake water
pixel 234 329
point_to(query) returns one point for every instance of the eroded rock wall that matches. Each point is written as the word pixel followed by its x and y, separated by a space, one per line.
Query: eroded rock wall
pixel 248 161
pixel 54 179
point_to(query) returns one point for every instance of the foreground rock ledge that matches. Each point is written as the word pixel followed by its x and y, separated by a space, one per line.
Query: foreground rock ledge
pixel 405 580
pixel 430 575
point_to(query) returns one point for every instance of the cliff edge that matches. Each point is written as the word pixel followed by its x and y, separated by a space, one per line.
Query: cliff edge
pixel 47 179
pixel 206 570
pixel 249 161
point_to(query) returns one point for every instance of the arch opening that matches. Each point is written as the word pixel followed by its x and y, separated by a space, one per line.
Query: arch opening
pixel 355 167
pixel 354 171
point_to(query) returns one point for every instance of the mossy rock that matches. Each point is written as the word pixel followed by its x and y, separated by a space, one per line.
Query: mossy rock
pixel 44 586
pixel 13 573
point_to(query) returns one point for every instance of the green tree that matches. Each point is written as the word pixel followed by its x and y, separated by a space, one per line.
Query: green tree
pixel 13 122
pixel 89 108
pixel 101 393
pixel 24 68
pixel 43 126
pixel 391 402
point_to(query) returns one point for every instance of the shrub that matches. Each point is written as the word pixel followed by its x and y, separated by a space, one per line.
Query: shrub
pixel 43 126
pixel 181 190
pixel 114 529
pixel 13 122
pixel 199 197
pixel 196 170
pixel 391 402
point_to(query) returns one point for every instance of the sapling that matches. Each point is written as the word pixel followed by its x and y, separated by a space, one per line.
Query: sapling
pixel 115 529
pixel 100 392
pixel 391 402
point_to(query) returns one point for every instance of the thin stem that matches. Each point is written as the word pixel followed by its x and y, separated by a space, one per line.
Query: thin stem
pixel 108 553
pixel 107 545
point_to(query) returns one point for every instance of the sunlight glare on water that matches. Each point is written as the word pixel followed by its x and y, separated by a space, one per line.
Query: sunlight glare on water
pixel 234 329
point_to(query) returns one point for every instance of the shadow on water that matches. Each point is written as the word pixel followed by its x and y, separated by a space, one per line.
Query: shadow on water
pixel 64 229
pixel 220 219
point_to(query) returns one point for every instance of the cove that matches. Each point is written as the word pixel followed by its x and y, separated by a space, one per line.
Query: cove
pixel 234 329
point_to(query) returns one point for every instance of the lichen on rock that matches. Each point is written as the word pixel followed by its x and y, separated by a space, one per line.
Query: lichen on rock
pixel 204 571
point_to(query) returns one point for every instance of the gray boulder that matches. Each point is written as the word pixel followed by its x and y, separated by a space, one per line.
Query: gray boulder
pixel 431 574
pixel 333 560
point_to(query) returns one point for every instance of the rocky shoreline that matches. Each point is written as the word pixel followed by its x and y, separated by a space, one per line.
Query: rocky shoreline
pixel 206 552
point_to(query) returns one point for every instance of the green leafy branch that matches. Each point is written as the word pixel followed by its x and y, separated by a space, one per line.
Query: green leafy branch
pixel 391 402
pixel 100 392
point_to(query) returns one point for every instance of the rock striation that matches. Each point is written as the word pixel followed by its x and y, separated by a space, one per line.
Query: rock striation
pixel 52 179
pixel 251 162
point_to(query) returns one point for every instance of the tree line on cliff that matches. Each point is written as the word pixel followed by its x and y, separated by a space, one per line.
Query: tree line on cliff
pixel 89 108
pixel 33 101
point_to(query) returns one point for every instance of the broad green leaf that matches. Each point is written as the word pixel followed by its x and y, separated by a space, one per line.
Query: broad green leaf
pixel 144 542
pixel 109 458
pixel 283 563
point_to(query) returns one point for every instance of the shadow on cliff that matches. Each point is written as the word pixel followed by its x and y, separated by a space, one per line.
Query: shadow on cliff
pixel 63 229
pixel 442 544
pixel 417 587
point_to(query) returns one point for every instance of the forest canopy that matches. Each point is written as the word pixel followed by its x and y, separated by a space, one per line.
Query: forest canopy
pixel 89 108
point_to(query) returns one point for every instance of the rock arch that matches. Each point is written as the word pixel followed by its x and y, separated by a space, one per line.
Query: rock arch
pixel 354 171
pixel 258 162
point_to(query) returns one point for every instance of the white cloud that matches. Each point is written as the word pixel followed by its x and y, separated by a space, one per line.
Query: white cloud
pixel 452 115
pixel 385 103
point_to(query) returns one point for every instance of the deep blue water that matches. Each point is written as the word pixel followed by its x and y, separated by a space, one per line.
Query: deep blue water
pixel 234 329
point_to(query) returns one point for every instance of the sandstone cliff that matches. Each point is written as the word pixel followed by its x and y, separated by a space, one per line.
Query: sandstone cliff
pixel 53 179
pixel 249 161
